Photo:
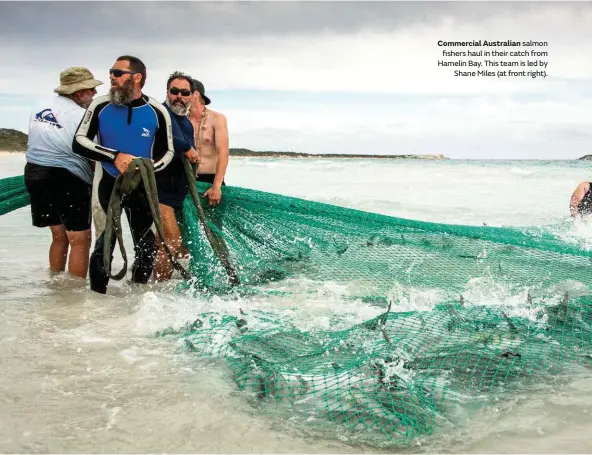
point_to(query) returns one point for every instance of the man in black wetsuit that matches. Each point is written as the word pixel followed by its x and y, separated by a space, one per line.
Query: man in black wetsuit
pixel 127 124
pixel 581 200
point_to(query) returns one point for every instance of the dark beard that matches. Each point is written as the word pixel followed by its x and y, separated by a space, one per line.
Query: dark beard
pixel 179 109
pixel 122 95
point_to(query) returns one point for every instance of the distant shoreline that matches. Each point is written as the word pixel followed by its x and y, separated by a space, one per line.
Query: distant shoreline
pixel 291 156
pixel 11 152
pixel 15 141
pixel 294 155
pixel 318 156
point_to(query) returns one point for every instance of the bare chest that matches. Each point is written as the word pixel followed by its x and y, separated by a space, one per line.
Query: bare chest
pixel 203 132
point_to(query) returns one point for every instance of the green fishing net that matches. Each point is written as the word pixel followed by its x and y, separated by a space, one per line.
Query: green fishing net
pixel 463 315
pixel 13 194
pixel 270 238
pixel 403 374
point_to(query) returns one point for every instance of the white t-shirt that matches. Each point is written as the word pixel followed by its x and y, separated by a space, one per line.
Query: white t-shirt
pixel 52 126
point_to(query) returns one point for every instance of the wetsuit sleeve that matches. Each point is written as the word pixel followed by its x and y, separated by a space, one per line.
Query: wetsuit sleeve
pixel 163 149
pixel 83 143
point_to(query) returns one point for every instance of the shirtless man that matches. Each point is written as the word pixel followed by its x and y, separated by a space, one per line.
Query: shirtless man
pixel 581 200
pixel 211 143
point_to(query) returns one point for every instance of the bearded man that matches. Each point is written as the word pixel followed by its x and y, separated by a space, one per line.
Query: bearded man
pixel 126 124
pixel 171 183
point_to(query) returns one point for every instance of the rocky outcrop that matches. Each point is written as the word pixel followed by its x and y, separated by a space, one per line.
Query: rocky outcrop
pixel 12 140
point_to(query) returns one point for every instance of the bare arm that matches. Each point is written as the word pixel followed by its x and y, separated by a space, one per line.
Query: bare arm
pixel 577 197
pixel 221 140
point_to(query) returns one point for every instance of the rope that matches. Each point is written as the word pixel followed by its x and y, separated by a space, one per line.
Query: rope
pixel 217 244
pixel 127 182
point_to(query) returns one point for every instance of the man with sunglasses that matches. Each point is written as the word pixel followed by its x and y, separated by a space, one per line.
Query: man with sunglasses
pixel 127 124
pixel 171 182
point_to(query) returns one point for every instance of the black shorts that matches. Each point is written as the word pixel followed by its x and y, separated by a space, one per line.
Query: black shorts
pixel 585 205
pixel 172 188
pixel 58 197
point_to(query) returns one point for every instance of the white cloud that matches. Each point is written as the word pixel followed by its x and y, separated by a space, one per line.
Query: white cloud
pixel 461 117
pixel 403 60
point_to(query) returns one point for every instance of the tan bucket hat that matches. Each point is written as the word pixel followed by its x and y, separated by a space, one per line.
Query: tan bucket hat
pixel 74 79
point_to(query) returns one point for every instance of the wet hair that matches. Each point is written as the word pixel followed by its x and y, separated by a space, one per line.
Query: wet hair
pixel 180 75
pixel 136 65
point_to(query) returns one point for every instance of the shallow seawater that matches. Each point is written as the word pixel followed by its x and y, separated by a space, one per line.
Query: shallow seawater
pixel 82 372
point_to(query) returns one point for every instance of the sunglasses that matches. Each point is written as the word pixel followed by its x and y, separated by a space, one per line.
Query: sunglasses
pixel 119 73
pixel 176 91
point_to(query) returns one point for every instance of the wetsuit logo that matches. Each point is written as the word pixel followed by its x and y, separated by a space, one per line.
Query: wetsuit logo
pixel 46 116
pixel 146 132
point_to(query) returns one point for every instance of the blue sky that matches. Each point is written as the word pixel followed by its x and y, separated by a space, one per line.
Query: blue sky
pixel 325 77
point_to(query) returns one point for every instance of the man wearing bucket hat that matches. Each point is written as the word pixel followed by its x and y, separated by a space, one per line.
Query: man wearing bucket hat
pixel 59 181
pixel 211 143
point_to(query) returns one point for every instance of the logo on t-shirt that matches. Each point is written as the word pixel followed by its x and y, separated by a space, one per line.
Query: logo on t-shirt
pixel 146 132
pixel 46 116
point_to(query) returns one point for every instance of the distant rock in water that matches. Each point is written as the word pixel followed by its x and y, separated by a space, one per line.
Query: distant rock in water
pixel 586 158
pixel 12 140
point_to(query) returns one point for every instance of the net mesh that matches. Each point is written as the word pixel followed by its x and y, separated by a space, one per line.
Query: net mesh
pixel 403 374
pixel 13 194
pixel 270 237
pixel 399 376
pixel 407 372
